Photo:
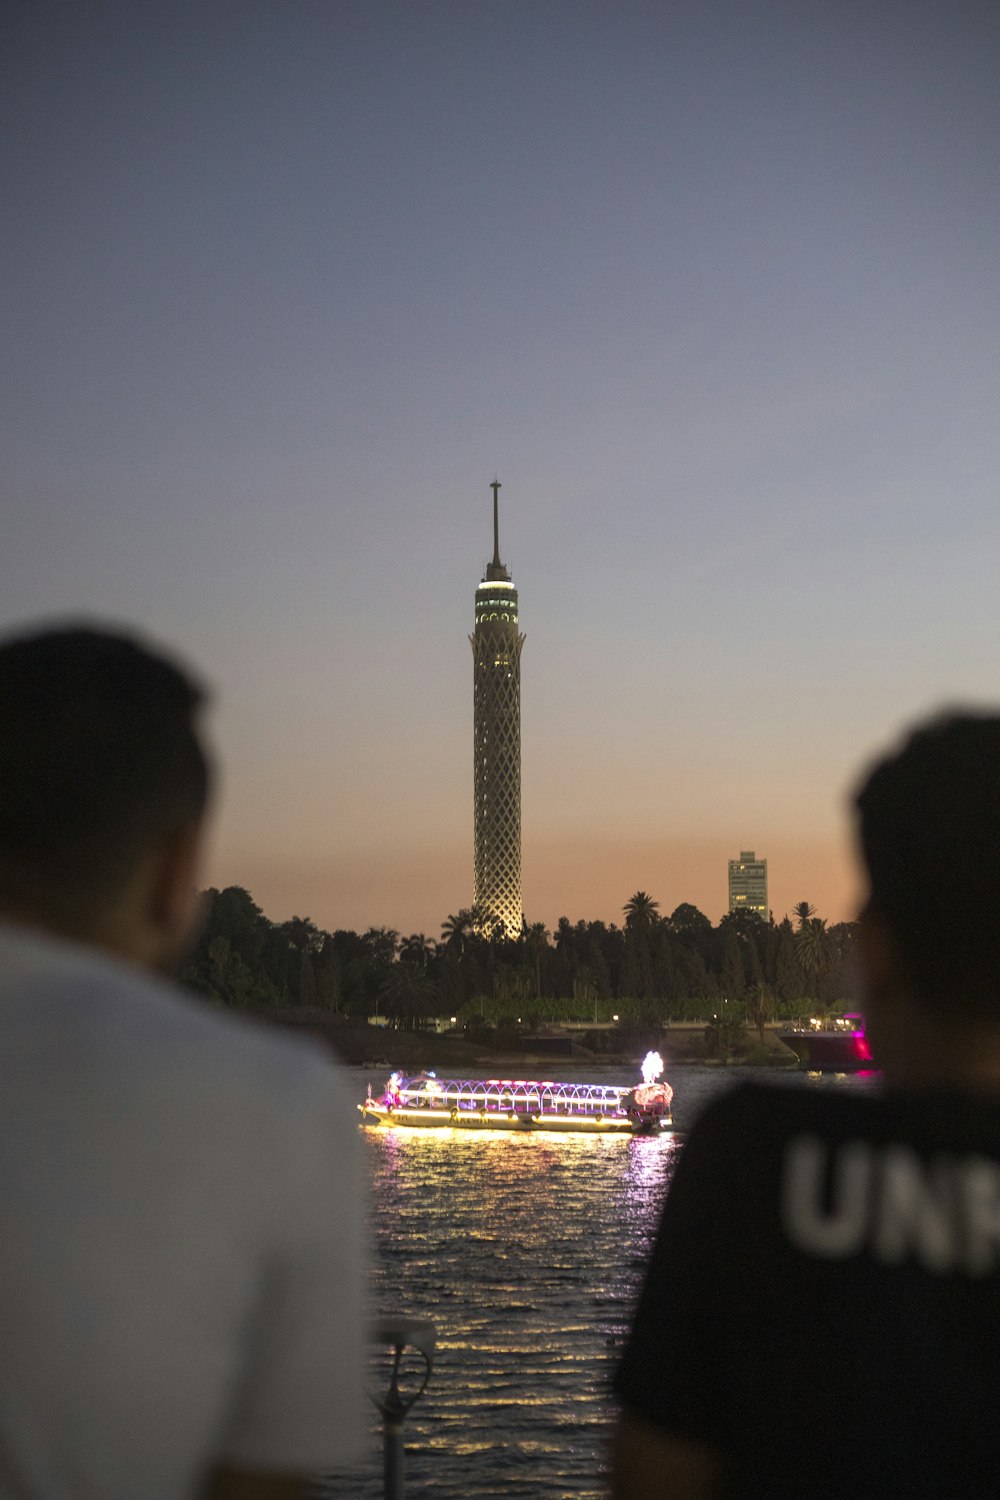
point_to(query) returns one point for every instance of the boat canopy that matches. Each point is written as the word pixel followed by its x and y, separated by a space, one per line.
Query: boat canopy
pixel 507 1095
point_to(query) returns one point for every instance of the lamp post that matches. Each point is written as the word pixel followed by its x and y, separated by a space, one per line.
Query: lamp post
pixel 398 1334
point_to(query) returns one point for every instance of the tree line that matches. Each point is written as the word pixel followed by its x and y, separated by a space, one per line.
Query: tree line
pixel 676 967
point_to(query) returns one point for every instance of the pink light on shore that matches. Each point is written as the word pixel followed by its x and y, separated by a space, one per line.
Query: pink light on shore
pixel 862 1046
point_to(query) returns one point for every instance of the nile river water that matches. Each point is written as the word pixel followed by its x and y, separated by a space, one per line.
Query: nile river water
pixel 526 1251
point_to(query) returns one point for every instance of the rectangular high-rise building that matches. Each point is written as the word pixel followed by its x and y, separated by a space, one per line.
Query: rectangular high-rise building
pixel 748 884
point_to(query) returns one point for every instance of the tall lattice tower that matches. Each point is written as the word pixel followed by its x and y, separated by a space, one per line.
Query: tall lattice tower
pixel 496 652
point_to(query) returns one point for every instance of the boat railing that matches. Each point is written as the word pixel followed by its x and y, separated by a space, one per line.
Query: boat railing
pixel 512 1096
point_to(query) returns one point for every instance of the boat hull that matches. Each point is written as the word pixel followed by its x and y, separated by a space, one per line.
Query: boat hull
pixel 831 1053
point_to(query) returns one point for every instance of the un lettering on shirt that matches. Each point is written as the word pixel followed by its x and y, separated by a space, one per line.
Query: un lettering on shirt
pixel 887 1202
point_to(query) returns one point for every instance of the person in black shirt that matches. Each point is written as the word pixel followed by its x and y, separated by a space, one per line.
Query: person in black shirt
pixel 821 1315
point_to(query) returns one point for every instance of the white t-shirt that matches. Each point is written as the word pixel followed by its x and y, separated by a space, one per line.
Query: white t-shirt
pixel 180 1238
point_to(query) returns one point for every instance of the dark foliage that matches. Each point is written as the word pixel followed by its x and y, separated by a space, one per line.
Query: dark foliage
pixel 652 968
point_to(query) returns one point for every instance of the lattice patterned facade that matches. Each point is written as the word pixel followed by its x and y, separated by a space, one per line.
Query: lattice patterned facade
pixel 496 651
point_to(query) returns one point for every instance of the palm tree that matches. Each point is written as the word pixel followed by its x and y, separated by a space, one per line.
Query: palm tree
pixel 760 1006
pixel 417 949
pixel 457 929
pixel 585 987
pixel 537 941
pixel 640 911
pixel 812 945
pixel 802 911
pixel 408 996
pixel 486 924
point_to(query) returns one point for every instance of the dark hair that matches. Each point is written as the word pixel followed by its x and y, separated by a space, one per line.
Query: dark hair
pixel 930 835
pixel 98 758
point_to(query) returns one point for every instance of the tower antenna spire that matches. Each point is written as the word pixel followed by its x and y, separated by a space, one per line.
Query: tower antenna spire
pixel 495 487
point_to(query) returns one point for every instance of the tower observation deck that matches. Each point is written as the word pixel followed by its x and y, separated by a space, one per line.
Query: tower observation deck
pixel 496 651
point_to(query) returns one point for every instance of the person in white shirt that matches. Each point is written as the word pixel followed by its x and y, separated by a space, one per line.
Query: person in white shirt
pixel 180 1211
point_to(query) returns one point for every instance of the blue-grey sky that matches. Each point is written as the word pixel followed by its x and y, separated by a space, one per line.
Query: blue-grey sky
pixel 712 286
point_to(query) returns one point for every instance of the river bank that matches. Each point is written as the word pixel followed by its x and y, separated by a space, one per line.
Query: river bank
pixel 360 1045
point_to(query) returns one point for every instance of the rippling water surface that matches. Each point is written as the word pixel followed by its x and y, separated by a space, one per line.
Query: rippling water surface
pixel 526 1251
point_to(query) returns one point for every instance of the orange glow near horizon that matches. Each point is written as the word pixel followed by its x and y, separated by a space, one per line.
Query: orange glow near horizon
pixel 580 878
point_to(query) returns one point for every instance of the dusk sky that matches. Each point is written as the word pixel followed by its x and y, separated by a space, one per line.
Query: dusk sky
pixel 712 287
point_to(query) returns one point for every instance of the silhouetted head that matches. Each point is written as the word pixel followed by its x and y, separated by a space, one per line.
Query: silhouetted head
pixel 103 787
pixel 930 837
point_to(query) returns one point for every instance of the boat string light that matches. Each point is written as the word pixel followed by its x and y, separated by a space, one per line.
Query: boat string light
pixel 652 1067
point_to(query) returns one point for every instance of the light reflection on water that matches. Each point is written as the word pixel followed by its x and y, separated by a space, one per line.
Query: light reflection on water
pixel 526 1251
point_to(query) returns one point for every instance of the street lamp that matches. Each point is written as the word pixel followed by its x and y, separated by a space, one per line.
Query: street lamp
pixel 398 1334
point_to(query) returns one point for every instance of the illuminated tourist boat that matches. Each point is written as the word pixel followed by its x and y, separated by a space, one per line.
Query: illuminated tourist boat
pixel 832 1045
pixel 520 1104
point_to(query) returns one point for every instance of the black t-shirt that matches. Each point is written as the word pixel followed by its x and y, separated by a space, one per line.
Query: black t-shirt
pixel 823 1302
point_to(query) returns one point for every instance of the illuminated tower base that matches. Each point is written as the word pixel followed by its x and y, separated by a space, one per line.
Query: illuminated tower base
pixel 496 650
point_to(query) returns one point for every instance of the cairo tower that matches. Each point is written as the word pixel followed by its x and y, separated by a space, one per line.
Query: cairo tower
pixel 496 651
